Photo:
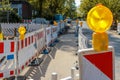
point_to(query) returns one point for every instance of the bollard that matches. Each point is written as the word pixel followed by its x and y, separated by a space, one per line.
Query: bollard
pixel 54 76
pixel 73 73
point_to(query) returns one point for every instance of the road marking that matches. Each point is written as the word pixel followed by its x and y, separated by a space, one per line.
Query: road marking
pixel 33 72
pixel 29 77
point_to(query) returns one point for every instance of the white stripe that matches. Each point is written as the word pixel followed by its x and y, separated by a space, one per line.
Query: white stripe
pixel 91 72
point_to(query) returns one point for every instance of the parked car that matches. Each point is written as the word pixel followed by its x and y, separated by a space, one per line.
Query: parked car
pixel 40 21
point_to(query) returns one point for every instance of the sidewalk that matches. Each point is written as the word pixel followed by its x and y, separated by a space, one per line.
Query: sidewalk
pixel 64 58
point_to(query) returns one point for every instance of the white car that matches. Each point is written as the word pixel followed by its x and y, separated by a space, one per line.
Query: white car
pixel 40 21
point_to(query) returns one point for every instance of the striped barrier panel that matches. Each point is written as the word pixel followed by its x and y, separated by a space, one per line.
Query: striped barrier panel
pixel 61 26
pixel 48 36
pixel 54 33
pixel 7 58
pixel 30 47
pixel 82 40
pixel 96 65
pixel 34 42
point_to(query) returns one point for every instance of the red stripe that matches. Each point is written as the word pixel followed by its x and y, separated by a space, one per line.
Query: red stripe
pixel 12 72
pixel 102 61
pixel 12 47
pixel 1 75
pixel 22 67
pixel 29 40
pixel 26 63
pixel 1 47
pixel 19 71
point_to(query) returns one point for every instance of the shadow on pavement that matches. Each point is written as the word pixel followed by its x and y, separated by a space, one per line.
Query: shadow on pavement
pixel 34 71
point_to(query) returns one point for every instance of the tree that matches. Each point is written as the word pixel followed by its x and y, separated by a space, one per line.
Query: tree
pixel 5 7
pixel 113 5
pixel 48 8
pixel 38 6
pixel 7 14
pixel 70 8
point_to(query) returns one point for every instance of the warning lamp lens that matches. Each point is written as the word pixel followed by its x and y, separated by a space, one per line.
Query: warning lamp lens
pixel 99 18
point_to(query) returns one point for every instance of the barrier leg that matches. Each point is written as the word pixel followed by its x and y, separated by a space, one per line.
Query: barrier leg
pixel 54 76
pixel 73 73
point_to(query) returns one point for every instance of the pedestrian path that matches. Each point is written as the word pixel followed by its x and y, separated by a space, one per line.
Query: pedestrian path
pixel 64 59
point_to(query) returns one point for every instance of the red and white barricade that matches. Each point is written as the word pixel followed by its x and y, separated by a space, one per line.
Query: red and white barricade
pixel 29 48
pixel 34 42
pixel 96 65
pixel 54 33
pixel 7 58
pixel 48 36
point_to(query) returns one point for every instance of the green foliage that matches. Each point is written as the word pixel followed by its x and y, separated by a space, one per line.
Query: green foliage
pixel 7 14
pixel 48 8
pixel 5 5
pixel 113 5
pixel 13 17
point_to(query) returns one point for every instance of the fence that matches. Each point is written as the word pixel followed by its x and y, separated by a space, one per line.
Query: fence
pixel 24 51
pixel 82 40
pixel 7 58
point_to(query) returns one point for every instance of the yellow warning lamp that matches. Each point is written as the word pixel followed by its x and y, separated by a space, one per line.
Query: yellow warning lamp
pixel 77 21
pixel 65 20
pixel 1 36
pixel 99 19
pixel 21 31
pixel 55 23
pixel 81 23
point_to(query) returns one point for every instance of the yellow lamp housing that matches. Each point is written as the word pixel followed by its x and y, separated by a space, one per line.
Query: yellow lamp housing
pixel 55 23
pixel 1 36
pixel 21 31
pixel 99 18
pixel 100 41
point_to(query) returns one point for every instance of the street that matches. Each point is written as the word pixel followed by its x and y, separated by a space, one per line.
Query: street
pixel 64 58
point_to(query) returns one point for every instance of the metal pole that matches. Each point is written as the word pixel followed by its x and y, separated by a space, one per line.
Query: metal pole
pixel 73 73
pixel 8 16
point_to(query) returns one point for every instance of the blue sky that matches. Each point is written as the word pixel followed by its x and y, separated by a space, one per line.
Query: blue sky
pixel 77 2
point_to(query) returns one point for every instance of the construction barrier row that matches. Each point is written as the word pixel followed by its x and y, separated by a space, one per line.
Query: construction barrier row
pixel 22 52
pixel 82 40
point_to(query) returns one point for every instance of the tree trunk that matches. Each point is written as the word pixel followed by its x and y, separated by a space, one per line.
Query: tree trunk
pixel 41 7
